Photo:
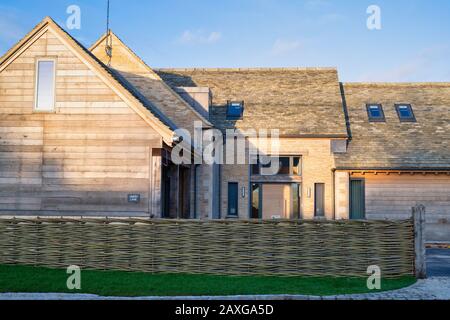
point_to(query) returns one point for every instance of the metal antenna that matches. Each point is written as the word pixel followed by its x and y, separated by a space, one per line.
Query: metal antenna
pixel 107 17
pixel 108 47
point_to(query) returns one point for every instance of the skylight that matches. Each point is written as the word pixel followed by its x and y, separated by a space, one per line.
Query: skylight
pixel 375 112
pixel 235 110
pixel 405 113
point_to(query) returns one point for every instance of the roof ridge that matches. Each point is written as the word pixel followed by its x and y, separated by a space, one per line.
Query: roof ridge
pixel 123 82
pixel 250 69
pixel 397 84
pixel 151 70
pixel 161 122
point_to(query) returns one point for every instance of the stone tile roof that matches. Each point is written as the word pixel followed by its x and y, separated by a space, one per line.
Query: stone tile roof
pixel 149 85
pixel 393 144
pixel 297 101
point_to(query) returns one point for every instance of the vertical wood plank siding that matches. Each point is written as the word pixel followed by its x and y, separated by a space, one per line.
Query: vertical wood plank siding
pixel 84 157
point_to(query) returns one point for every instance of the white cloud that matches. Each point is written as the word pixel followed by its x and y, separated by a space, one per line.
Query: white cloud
pixel 282 47
pixel 420 67
pixel 199 37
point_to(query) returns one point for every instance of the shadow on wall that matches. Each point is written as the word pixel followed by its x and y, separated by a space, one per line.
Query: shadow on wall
pixel 177 80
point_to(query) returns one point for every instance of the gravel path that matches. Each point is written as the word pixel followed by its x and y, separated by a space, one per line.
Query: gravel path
pixel 437 288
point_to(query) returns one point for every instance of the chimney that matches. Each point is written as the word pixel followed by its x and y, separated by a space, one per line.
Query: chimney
pixel 198 97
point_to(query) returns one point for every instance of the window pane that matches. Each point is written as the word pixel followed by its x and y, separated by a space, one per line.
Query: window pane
pixel 319 199
pixel 284 165
pixel 45 86
pixel 296 201
pixel 255 165
pixel 256 206
pixel 255 169
pixel 375 112
pixel 404 111
pixel 233 199
pixel 235 110
pixel 297 166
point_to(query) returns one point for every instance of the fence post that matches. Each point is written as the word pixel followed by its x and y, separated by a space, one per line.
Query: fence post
pixel 419 242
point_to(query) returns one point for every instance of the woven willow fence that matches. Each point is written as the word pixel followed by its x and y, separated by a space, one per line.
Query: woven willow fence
pixel 284 248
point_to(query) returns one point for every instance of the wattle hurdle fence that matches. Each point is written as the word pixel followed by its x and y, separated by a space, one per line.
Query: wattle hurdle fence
pixel 282 248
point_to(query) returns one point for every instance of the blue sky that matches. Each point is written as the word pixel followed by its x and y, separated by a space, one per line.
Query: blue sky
pixel 412 45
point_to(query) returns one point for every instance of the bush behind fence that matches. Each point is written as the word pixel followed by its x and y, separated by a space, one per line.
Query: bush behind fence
pixel 283 248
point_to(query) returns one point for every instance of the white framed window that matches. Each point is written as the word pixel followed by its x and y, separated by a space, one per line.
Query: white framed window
pixel 45 85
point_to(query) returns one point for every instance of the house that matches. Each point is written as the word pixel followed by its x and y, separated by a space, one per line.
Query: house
pixel 93 131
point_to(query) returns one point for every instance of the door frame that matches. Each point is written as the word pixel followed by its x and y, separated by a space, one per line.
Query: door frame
pixel 261 198
pixel 363 185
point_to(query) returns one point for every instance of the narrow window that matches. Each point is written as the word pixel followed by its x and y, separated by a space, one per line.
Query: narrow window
pixel 45 85
pixel 319 200
pixel 405 113
pixel 255 166
pixel 256 201
pixel 266 166
pixel 233 195
pixel 235 110
pixel 375 112
pixel 296 200
pixel 285 165
pixel 297 170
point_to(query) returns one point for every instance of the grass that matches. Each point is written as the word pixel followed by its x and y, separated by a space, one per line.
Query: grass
pixel 26 279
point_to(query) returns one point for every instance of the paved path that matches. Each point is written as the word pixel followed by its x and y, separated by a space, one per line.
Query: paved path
pixel 438 262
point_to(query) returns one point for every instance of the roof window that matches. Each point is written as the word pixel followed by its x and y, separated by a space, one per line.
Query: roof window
pixel 405 113
pixel 375 112
pixel 235 110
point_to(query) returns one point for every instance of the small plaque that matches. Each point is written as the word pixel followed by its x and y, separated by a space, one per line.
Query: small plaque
pixel 134 198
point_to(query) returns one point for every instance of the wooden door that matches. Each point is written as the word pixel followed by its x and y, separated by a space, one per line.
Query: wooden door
pixel 357 199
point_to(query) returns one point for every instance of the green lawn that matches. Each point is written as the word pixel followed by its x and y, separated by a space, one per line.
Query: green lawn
pixel 112 283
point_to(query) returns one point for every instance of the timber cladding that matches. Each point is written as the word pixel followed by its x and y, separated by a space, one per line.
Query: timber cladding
pixel 86 156
pixel 282 248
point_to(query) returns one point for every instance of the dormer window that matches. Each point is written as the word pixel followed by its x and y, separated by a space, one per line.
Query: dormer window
pixel 235 110
pixel 45 85
pixel 375 112
pixel 405 113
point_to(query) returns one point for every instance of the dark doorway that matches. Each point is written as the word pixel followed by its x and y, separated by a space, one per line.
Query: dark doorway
pixel 184 195
pixel 233 195
pixel 166 198
pixel 319 200
pixel 357 199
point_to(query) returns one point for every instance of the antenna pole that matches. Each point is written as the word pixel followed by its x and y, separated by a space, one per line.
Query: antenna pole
pixel 107 18
pixel 108 46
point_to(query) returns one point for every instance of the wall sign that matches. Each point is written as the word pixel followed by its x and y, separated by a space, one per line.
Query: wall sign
pixel 134 198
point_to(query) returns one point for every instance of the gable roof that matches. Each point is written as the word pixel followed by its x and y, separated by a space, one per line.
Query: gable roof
pixel 118 84
pixel 147 82
pixel 300 102
pixel 424 144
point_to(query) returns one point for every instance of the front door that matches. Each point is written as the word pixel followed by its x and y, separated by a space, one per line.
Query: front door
pixel 357 199
pixel 277 201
